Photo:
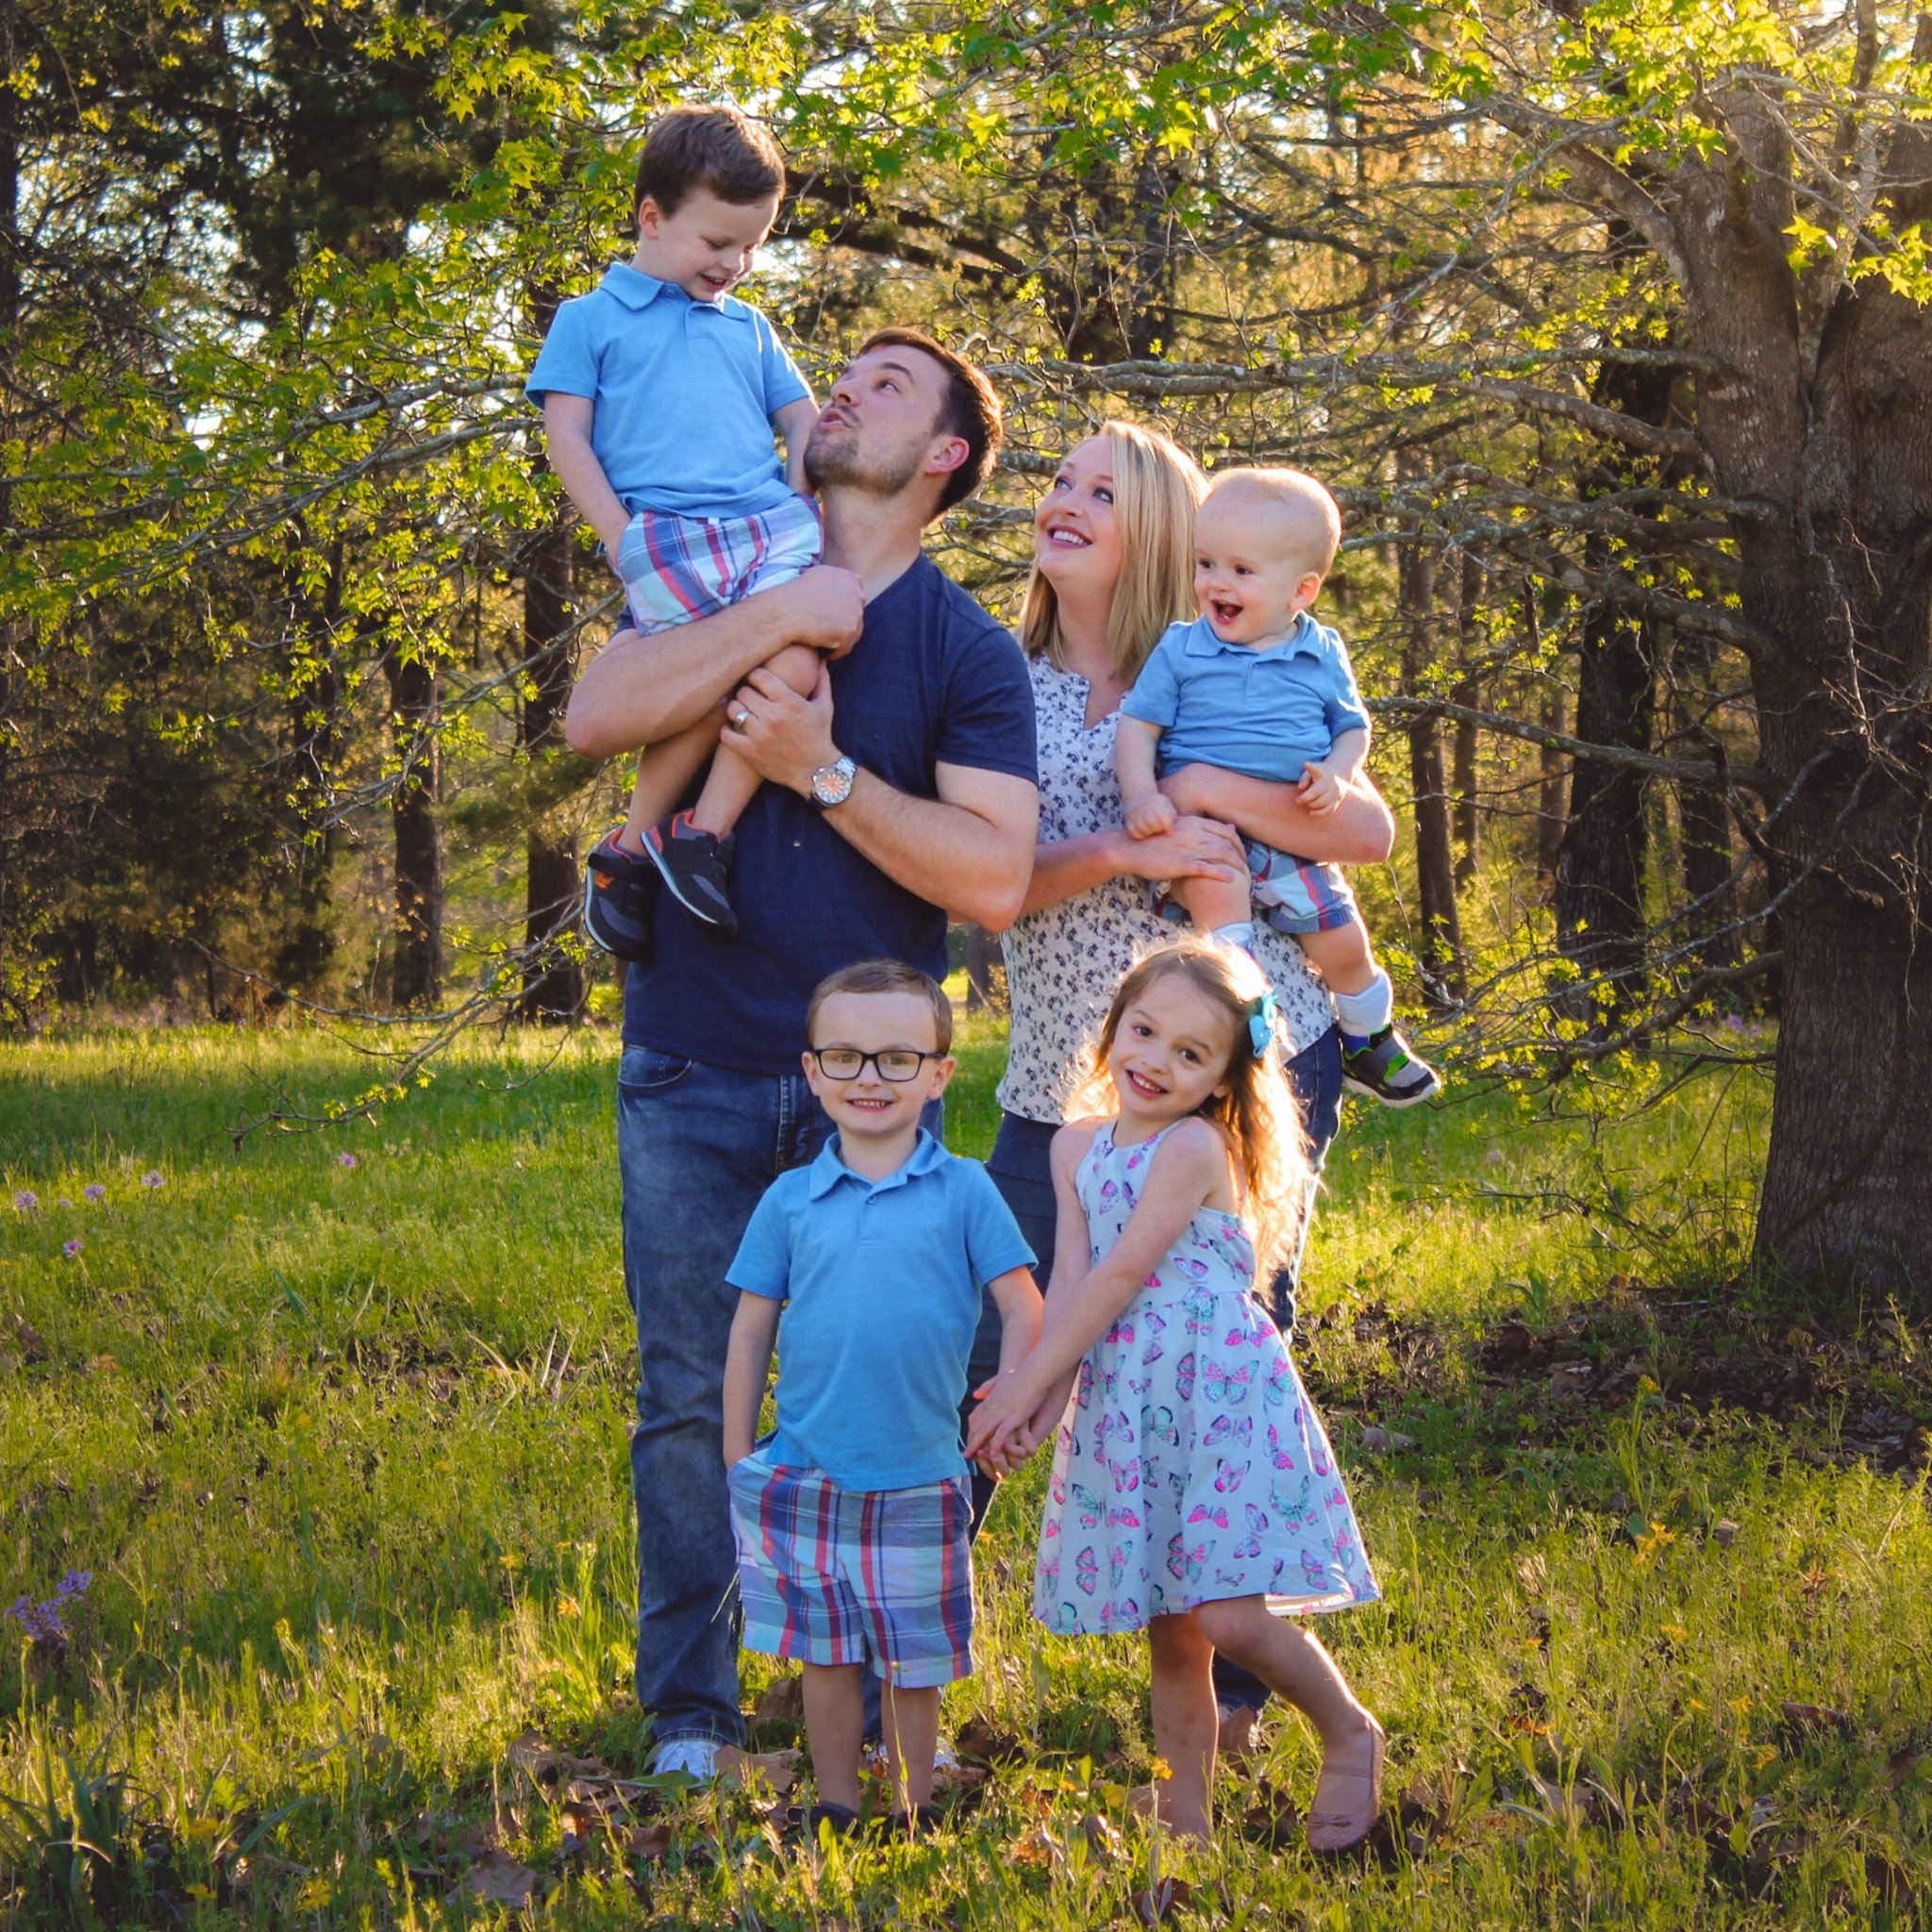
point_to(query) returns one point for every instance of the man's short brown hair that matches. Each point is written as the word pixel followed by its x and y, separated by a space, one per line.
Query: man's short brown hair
pixel 969 409
pixel 716 149
pixel 884 976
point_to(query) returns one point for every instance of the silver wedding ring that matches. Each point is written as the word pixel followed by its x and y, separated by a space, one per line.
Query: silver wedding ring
pixel 739 719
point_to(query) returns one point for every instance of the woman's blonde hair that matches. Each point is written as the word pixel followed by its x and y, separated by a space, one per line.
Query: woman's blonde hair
pixel 1157 488
pixel 1257 1111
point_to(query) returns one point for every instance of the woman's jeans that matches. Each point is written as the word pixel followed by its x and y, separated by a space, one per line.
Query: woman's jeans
pixel 1022 1172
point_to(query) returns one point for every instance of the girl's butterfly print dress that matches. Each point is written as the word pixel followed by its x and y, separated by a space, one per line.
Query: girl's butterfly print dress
pixel 1190 1465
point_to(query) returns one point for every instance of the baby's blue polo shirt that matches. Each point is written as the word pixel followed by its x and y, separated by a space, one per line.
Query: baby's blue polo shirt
pixel 685 394
pixel 1266 713
pixel 882 1284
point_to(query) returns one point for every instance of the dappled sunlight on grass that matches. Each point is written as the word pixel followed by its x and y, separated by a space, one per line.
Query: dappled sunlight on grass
pixel 342 1447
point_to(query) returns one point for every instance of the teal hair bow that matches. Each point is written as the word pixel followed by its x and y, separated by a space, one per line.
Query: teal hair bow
pixel 1264 1015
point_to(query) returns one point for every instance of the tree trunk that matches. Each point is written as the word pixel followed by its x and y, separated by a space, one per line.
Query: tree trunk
pixel 1440 952
pixel 308 946
pixel 1704 825
pixel 986 973
pixel 1828 444
pixel 417 977
pixel 1468 692
pixel 1551 810
pixel 553 984
pixel 1599 896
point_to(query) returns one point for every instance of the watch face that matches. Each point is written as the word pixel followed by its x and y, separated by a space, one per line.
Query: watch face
pixel 832 784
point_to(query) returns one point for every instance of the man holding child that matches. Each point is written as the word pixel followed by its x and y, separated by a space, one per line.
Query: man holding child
pixel 899 789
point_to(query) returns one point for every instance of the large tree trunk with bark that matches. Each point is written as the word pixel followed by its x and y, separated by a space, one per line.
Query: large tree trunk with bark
pixel 1815 420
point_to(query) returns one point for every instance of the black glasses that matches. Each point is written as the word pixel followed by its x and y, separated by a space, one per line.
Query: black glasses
pixel 897 1064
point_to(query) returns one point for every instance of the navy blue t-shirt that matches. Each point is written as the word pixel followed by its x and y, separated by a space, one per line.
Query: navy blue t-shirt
pixel 932 681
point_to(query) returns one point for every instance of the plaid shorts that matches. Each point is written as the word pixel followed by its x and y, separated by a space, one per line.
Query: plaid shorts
pixel 676 570
pixel 1297 896
pixel 848 1576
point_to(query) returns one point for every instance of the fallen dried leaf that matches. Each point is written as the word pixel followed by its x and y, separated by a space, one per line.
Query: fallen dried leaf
pixel 645 1841
pixel 1039 1848
pixel 1103 1836
pixel 773 1768
pixel 990 1743
pixel 781 1702
pixel 1157 1904
pixel 503 1880
pixel 1815 1720
pixel 1273 1818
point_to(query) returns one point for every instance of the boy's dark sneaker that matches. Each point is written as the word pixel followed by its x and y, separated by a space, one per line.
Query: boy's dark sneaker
pixel 1387 1070
pixel 696 868
pixel 842 1818
pixel 620 896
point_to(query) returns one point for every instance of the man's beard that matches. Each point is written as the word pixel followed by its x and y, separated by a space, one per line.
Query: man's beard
pixel 842 464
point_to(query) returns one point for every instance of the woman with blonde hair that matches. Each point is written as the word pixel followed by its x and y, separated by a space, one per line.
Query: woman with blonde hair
pixel 1113 566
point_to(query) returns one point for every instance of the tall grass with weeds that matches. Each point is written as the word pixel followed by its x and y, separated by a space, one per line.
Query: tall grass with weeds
pixel 334 1424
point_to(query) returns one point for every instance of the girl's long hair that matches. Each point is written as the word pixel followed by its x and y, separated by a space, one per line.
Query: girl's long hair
pixel 1258 1113
pixel 1157 488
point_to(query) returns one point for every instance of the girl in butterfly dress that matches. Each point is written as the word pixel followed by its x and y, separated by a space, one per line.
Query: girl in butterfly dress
pixel 1193 1491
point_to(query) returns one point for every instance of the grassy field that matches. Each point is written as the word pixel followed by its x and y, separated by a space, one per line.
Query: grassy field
pixel 333 1423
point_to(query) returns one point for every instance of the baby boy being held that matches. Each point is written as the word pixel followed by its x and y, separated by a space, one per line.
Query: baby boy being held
pixel 659 392
pixel 1255 685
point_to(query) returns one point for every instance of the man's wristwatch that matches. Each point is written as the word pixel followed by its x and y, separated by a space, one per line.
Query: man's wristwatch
pixel 832 784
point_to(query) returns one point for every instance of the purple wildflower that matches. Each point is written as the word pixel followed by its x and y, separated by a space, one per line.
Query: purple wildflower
pixel 71 1249
pixel 345 1160
pixel 63 1202
pixel 25 1201
pixel 43 1623
pixel 152 1178
pixel 94 1191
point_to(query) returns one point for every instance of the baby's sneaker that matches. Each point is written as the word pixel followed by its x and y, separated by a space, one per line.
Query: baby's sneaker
pixel 620 894
pixel 1387 1069
pixel 696 868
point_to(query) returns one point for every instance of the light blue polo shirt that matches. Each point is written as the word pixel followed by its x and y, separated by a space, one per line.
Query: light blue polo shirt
pixel 685 394
pixel 882 1284
pixel 1266 713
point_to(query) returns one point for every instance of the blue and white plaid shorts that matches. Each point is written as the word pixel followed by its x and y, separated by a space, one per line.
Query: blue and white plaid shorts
pixel 848 1576
pixel 1298 896
pixel 676 570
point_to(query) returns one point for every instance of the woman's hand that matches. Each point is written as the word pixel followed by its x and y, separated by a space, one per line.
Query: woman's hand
pixel 1195 849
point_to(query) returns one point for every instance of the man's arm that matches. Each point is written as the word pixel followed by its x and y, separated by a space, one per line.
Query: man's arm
pixel 1360 832
pixel 643 689
pixel 969 850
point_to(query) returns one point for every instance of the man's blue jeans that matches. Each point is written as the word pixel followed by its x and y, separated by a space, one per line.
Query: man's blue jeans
pixel 697 1146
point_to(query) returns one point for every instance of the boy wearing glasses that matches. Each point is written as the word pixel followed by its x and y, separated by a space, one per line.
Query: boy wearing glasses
pixel 852 1519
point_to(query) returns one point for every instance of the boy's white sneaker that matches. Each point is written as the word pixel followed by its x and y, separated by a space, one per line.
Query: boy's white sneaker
pixel 694 1757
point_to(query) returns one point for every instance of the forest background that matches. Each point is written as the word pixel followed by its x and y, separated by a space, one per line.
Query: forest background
pixel 1606 319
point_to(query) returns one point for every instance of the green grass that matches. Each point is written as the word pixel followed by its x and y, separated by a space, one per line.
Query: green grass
pixel 344 1448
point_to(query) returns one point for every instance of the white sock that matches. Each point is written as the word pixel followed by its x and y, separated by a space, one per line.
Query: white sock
pixel 1240 935
pixel 1367 1012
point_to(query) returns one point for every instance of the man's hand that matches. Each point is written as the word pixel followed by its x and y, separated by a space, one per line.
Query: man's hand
pixel 1322 788
pixel 825 608
pixel 1149 816
pixel 783 737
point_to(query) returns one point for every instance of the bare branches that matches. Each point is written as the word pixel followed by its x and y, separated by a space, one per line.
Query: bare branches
pixel 1685 771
